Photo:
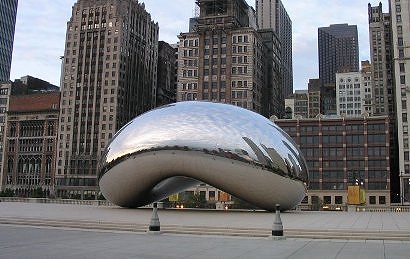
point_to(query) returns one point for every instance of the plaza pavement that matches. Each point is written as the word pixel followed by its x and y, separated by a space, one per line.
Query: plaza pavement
pixel 32 230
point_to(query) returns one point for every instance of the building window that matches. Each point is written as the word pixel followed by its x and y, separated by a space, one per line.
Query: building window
pixel 382 199
pixel 338 199
pixel 401 53
pixel 398 8
pixel 399 29
pixel 402 68
pixel 327 199
pixel 400 41
pixel 372 199
pixel 403 79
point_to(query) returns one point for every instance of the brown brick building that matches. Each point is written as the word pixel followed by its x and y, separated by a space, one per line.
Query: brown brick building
pixel 30 143
pixel 342 152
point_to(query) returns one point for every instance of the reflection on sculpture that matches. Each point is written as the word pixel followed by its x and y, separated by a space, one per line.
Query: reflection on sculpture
pixel 170 149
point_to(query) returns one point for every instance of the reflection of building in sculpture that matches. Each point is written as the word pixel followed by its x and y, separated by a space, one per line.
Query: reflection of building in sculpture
pixel 30 144
pixel 222 145
pixel 342 152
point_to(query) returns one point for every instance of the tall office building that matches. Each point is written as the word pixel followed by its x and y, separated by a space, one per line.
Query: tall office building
pixel 381 58
pixel 338 51
pixel 109 77
pixel 273 15
pixel 400 22
pixel 226 59
pixel 384 100
pixel 166 92
pixel 8 12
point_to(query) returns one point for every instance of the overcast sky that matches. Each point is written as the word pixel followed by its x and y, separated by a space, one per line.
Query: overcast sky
pixel 41 27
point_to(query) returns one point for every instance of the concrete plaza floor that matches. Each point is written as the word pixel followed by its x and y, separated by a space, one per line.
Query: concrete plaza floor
pixel 31 242
pixel 31 230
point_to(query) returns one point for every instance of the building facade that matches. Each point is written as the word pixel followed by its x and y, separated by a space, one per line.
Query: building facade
pixel 5 92
pixel 338 49
pixel 166 91
pixel 349 94
pixel 400 24
pixel 342 152
pixel 225 60
pixel 109 77
pixel 315 100
pixel 8 12
pixel 297 105
pixel 30 144
pixel 354 92
pixel 273 15
pixel 381 54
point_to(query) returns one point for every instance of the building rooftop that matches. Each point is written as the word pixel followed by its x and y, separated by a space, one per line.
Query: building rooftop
pixel 35 102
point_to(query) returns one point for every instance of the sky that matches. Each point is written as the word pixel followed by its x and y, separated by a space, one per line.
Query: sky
pixel 41 26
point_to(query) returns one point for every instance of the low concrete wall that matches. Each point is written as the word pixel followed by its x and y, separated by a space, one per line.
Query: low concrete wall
pixel 57 201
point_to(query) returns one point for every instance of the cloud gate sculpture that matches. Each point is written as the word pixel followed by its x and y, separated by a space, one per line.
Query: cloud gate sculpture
pixel 174 147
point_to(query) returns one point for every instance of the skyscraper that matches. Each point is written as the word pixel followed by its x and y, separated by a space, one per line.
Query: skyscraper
pixel 166 92
pixel 8 12
pixel 273 15
pixel 109 77
pixel 400 21
pixel 381 59
pixel 383 90
pixel 226 59
pixel 338 51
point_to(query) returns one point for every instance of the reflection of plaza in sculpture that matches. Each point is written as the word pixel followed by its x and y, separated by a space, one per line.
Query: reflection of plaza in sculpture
pixel 172 148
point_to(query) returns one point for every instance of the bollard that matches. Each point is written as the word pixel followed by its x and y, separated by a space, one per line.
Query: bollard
pixel 154 225
pixel 277 227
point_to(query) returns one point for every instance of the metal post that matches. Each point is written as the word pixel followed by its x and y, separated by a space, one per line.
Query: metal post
pixel 154 225
pixel 277 227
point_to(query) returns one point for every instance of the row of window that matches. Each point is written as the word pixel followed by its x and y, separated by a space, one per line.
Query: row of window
pixel 343 186
pixel 337 129
pixel 214 85
pixel 339 200
pixel 379 163
pixel 338 139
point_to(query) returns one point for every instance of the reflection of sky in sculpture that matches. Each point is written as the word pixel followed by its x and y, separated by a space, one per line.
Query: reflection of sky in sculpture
pixel 220 129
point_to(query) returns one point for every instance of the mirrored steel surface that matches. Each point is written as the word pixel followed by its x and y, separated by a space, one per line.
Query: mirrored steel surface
pixel 167 149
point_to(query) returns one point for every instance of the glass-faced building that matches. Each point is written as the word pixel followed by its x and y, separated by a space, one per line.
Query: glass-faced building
pixel 8 11
pixel 338 49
